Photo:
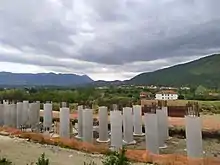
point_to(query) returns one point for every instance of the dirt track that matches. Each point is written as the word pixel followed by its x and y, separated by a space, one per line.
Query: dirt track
pixel 21 152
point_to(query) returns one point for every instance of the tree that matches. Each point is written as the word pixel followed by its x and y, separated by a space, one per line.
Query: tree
pixel 200 90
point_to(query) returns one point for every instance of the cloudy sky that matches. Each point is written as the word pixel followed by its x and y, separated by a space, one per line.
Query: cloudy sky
pixel 106 40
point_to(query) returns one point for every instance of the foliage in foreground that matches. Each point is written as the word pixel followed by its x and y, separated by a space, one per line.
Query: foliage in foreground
pixel 116 158
pixel 4 161
pixel 113 158
pixel 42 160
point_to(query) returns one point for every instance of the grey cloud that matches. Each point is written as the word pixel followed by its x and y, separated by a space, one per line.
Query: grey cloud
pixel 119 33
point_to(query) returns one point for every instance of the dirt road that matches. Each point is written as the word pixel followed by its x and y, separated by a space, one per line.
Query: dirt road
pixel 21 152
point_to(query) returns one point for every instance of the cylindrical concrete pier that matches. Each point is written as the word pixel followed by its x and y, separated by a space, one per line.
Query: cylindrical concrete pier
pixel 1 114
pixel 137 116
pixel 151 132
pixel 48 116
pixel 25 111
pixel 116 129
pixel 7 115
pixel 80 121
pixel 166 123
pixel 194 137
pixel 34 115
pixel 13 113
pixel 63 104
pixel 64 122
pixel 19 114
pixel 87 125
pixel 103 125
pixel 128 126
pixel 161 128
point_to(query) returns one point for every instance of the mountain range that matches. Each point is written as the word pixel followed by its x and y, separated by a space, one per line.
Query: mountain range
pixel 204 71
pixel 42 79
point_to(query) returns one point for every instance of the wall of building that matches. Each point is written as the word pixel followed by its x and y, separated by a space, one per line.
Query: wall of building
pixel 166 97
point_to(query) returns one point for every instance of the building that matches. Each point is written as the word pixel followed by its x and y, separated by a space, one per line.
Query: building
pixel 145 95
pixel 166 95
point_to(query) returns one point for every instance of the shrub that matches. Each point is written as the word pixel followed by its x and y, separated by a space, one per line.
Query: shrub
pixel 42 160
pixel 4 161
pixel 116 158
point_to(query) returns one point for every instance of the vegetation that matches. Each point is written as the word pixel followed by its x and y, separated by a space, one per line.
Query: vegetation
pixel 42 160
pixel 209 99
pixel 113 158
pixel 116 158
pixel 4 161
pixel 199 72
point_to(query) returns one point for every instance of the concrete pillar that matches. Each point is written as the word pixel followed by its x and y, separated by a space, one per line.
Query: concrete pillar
pixel 161 128
pixel 1 114
pixel 64 122
pixel 87 125
pixel 103 125
pixel 166 123
pixel 137 116
pixel 116 129
pixel 194 137
pixel 151 132
pixel 80 121
pixel 128 126
pixel 34 115
pixel 7 115
pixel 48 116
pixel 20 114
pixel 63 104
pixel 38 107
pixel 25 111
pixel 13 114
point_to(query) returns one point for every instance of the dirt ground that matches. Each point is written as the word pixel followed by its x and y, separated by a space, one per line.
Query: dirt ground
pixel 175 145
pixel 21 152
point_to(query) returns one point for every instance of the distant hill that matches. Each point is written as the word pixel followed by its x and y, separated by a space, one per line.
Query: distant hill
pixel 204 71
pixel 42 79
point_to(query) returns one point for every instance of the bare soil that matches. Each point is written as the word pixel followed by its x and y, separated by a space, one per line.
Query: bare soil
pixel 22 152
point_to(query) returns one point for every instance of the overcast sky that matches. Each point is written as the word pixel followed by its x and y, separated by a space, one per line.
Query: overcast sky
pixel 105 39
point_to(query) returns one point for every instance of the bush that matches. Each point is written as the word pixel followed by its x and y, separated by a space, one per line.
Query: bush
pixel 4 161
pixel 42 160
pixel 117 158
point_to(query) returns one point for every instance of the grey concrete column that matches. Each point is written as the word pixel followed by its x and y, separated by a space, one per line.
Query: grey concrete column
pixel 34 114
pixel 38 110
pixel 64 122
pixel 161 128
pixel 13 113
pixel 137 116
pixel 151 132
pixel 80 121
pixel 194 137
pixel 20 114
pixel 87 125
pixel 48 116
pixel 128 126
pixel 63 104
pixel 7 115
pixel 103 125
pixel 1 114
pixel 25 111
pixel 166 123
pixel 116 129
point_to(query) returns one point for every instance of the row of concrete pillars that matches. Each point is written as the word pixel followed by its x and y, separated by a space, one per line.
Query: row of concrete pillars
pixel 19 114
pixel 124 126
